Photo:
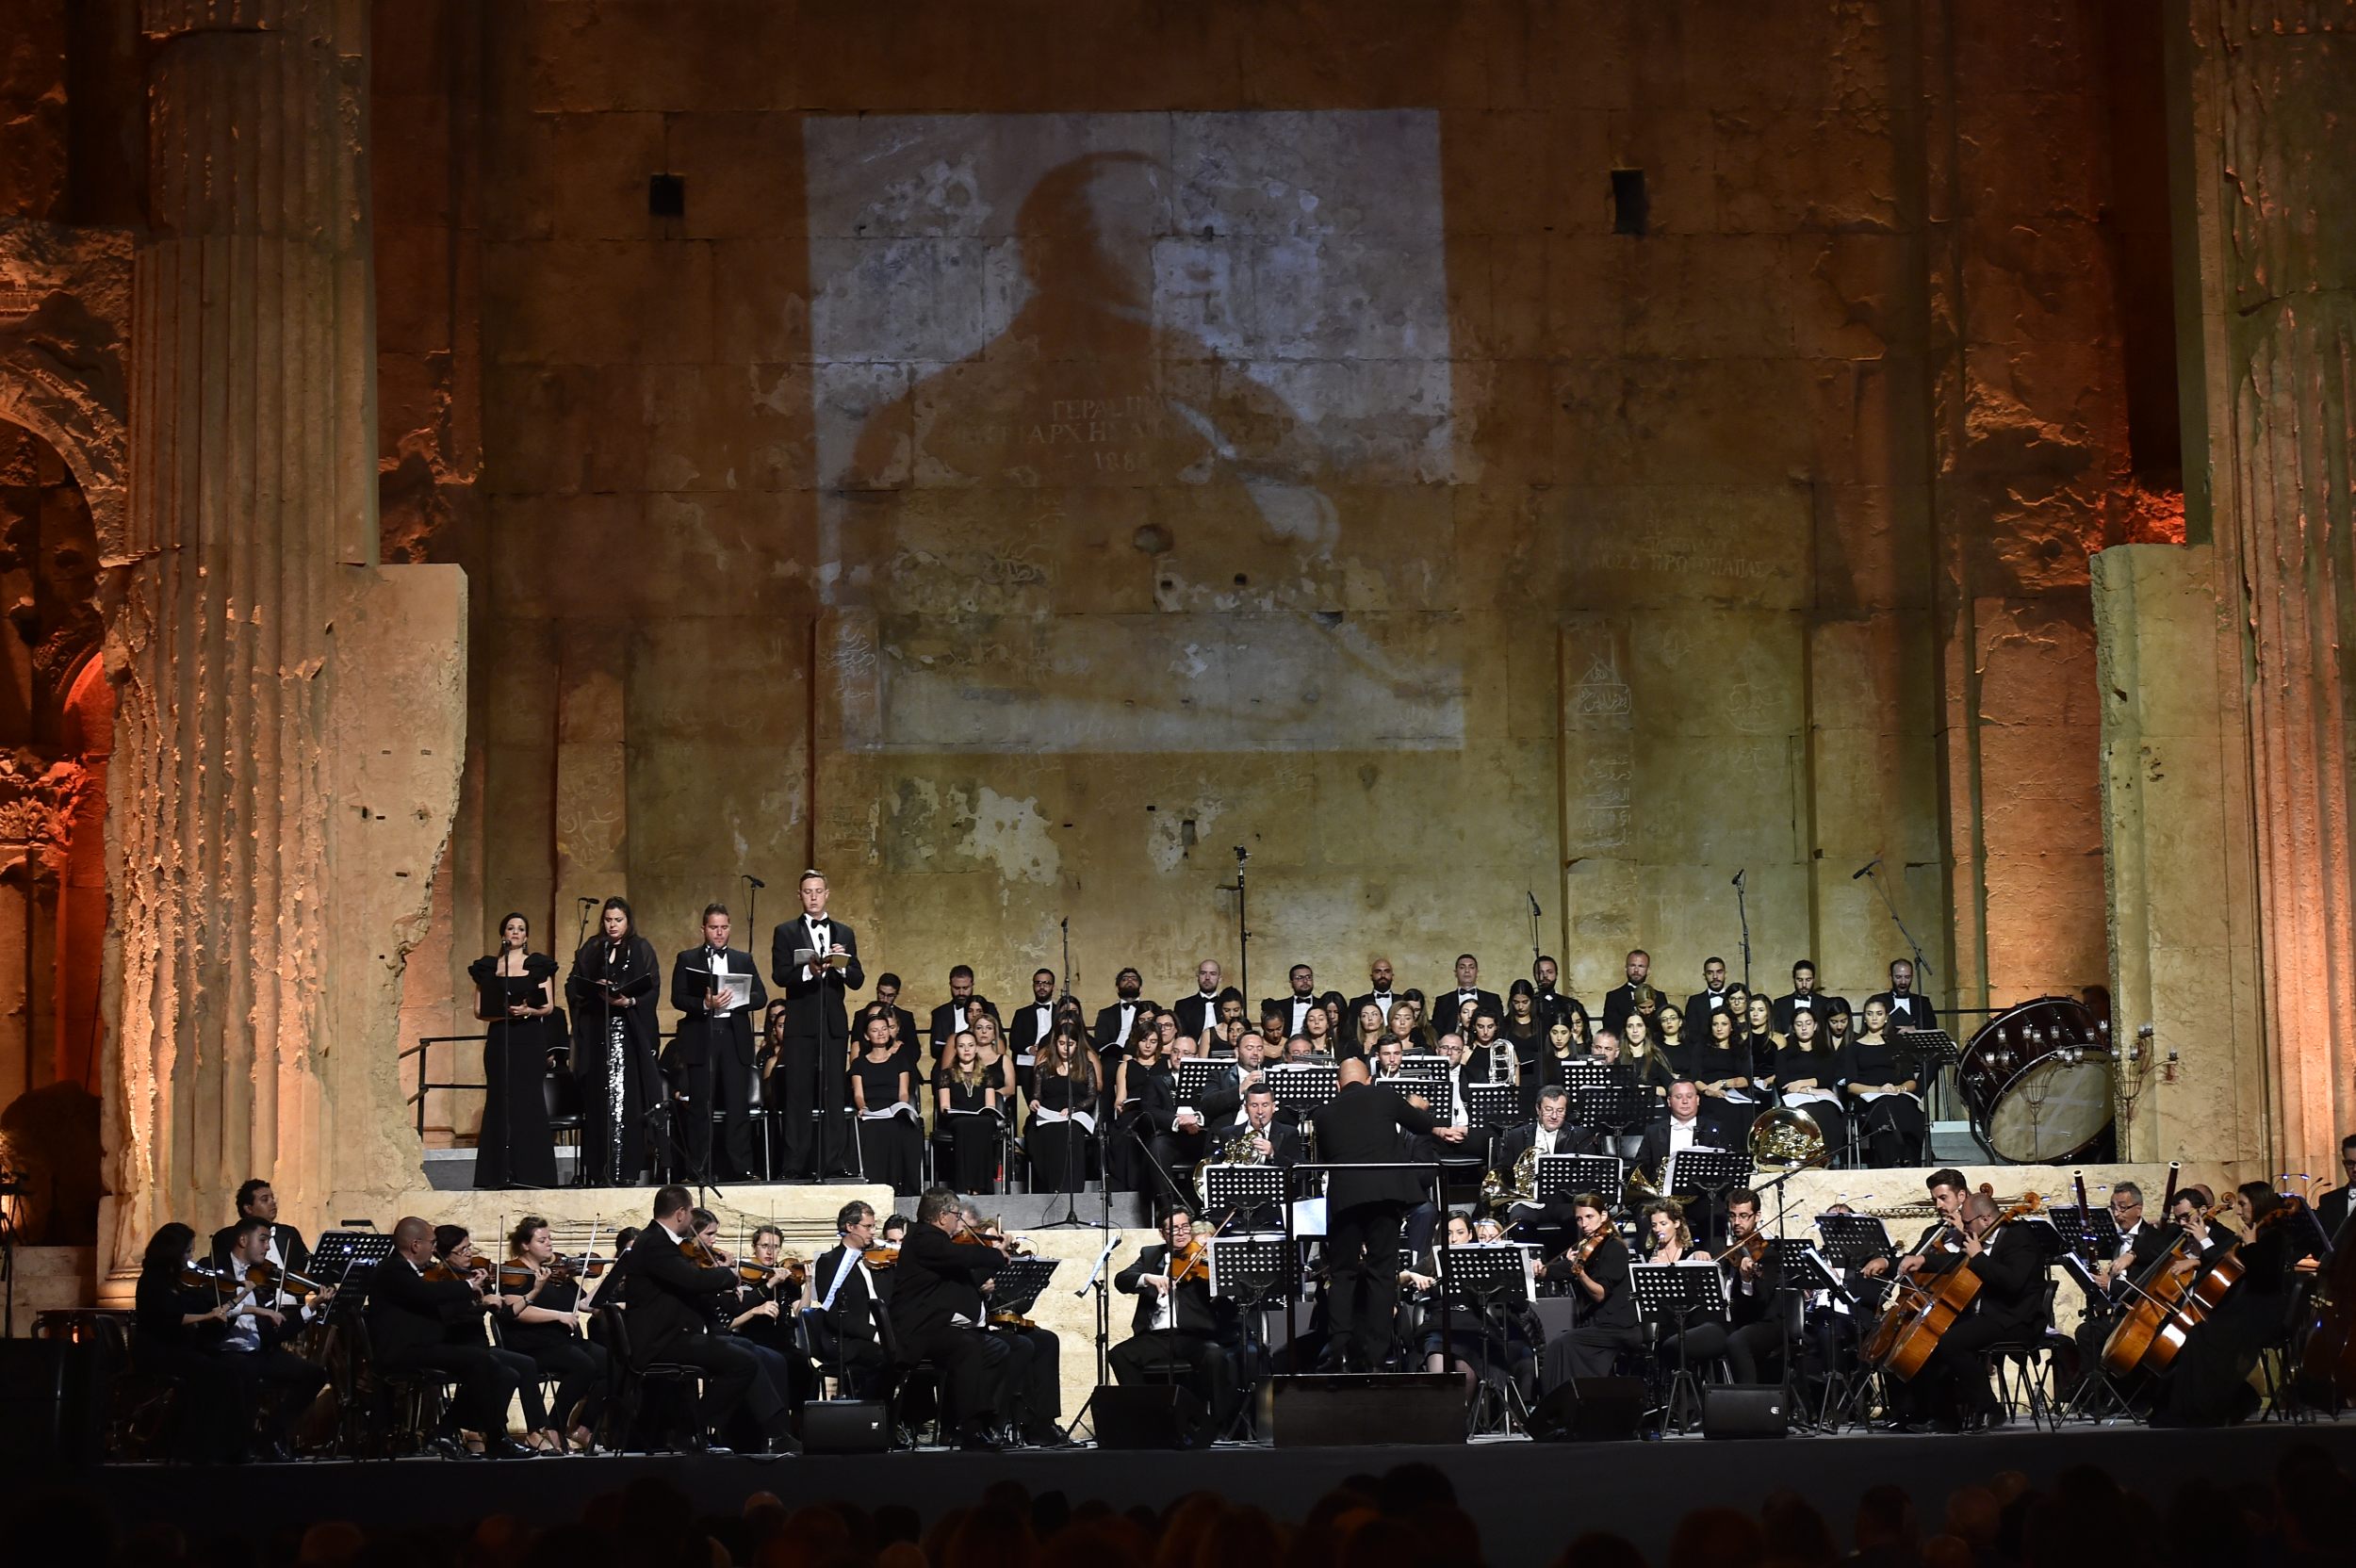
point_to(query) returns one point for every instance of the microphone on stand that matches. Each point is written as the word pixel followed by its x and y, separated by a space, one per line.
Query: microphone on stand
pixel 1738 880
pixel 1863 869
pixel 755 880
pixel 1533 903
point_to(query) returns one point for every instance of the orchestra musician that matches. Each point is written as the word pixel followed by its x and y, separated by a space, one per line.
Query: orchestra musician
pixel 542 1303
pixel 669 1298
pixel 1668 1241
pixel 417 1323
pixel 1477 1335
pixel 1597 1265
pixel 1263 1138
pixel 273 1378
pixel 2333 1207
pixel 179 1321
pixel 714 1050
pixel 937 1315
pixel 1177 1319
pixel 1032 1403
pixel 257 1200
pixel 849 1283
pixel 2209 1385
pixel 815 1009
pixel 2010 1306
pixel 455 1251
pixel 1363 1125
pixel 1552 1132
pixel 765 1291
pixel 1176 1136
pixel 1754 1324
pixel 1687 1125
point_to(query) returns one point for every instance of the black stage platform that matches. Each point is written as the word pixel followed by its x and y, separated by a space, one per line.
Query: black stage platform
pixel 1525 1494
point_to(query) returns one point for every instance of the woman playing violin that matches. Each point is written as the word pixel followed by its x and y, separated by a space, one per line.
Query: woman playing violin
pixel 542 1299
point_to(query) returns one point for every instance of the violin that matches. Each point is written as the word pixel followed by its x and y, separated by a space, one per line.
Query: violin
pixel 271 1276
pixel 1753 1247
pixel 704 1254
pixel 1192 1263
pixel 196 1276
pixel 441 1272
pixel 880 1257
pixel 790 1268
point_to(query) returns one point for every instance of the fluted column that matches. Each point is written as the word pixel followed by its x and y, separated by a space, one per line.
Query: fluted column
pixel 2274 180
pixel 254 472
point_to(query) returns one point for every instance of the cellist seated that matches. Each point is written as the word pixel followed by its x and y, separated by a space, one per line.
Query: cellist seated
pixel 2008 1306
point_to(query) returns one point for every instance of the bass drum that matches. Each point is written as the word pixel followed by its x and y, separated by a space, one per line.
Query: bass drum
pixel 2037 1080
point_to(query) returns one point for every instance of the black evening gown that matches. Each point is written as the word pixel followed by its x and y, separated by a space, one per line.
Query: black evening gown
pixel 1059 1149
pixel 972 1139
pixel 891 1148
pixel 514 1148
pixel 621 1091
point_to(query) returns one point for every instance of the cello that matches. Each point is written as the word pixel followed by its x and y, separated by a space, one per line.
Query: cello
pixel 2139 1329
pixel 1944 1300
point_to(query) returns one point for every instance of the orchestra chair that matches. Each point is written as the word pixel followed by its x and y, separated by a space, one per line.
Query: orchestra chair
pixel 411 1404
pixel 2022 1371
pixel 143 1404
pixel 548 1381
pixel 902 1377
pixel 632 1383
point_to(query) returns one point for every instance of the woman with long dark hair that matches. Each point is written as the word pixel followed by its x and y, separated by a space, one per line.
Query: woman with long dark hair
pixel 180 1327
pixel 611 993
pixel 1063 1111
pixel 514 997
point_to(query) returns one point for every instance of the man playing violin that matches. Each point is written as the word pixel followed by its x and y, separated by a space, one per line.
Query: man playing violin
pixel 256 1200
pixel 779 1377
pixel 255 1344
pixel 1034 1404
pixel 847 1287
pixel 936 1315
pixel 1754 1328
pixel 414 1304
pixel 540 1295
pixel 666 1288
pixel 1178 1320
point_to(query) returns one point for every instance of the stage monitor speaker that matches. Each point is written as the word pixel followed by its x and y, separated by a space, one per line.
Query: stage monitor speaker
pixel 1590 1410
pixel 1152 1415
pixel 1352 1409
pixel 845 1426
pixel 1743 1413
pixel 53 1401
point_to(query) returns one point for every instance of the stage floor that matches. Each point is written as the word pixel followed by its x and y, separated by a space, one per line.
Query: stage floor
pixel 1515 1488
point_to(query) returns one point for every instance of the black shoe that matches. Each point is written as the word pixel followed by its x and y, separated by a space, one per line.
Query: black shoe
pixel 507 1447
pixel 447 1447
pixel 782 1443
pixel 275 1453
pixel 712 1447
pixel 1895 1424
pixel 977 1438
pixel 1044 1435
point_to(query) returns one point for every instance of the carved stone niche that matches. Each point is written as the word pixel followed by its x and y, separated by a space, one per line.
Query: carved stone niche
pixel 65 302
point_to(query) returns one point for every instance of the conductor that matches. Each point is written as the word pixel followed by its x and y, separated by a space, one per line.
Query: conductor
pixel 817 1023
pixel 1366 1124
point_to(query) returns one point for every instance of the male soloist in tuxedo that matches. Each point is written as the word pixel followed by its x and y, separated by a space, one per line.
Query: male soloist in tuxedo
pixel 714 1050
pixel 1118 1024
pixel 1176 1321
pixel 815 1010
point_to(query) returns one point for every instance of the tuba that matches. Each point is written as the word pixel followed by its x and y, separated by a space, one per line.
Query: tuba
pixel 1495 1192
pixel 1787 1138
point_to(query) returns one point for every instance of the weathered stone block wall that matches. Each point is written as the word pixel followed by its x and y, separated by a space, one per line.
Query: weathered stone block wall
pixel 1241 425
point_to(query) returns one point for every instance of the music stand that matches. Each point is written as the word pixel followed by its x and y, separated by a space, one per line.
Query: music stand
pixel 1492 1105
pixel 1563 1175
pixel 1194 1078
pixel 1251 1188
pixel 1709 1172
pixel 2089 1233
pixel 1935 1049
pixel 1251 1271
pixel 1802 1267
pixel 1603 1096
pixel 341 1254
pixel 1492 1279
pixel 1301 1087
pixel 1853 1240
pixel 1675 1296
pixel 1017 1283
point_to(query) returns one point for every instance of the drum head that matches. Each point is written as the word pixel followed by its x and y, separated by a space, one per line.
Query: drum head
pixel 2051 1109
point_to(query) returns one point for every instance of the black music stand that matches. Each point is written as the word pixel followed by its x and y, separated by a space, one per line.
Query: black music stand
pixel 1493 1280
pixel 2090 1233
pixel 1802 1268
pixel 1561 1175
pixel 1710 1172
pixel 1194 1079
pixel 1606 1098
pixel 340 1255
pixel 1253 1189
pixel 1934 1049
pixel 1492 1105
pixel 1301 1087
pixel 1017 1283
pixel 1677 1296
pixel 1851 1241
pixel 1251 1271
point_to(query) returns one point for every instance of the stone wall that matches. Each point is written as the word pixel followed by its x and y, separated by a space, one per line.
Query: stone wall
pixel 1039 458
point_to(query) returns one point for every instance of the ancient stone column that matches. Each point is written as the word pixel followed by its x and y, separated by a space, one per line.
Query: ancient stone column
pixel 253 528
pixel 2273 180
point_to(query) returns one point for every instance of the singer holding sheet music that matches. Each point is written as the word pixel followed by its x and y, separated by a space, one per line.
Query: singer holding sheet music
pixel 716 990
pixel 815 957
pixel 890 1142
pixel 514 996
pixel 611 992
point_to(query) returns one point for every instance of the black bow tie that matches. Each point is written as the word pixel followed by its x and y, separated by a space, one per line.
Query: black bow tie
pixel 716 953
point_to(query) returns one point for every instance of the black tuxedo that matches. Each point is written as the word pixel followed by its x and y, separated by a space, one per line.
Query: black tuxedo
pixel 1920 1013
pixel 1441 1014
pixel 715 1059
pixel 1026 1034
pixel 1107 1031
pixel 1552 1005
pixel 413 1323
pixel 1222 1097
pixel 815 1009
pixel 1823 1003
pixel 1618 1002
pixel 1349 1019
pixel 1365 1123
pixel 1697 1010
pixel 942 1027
pixel 1296 1017
pixel 938 1281
pixel 1570 1138
pixel 671 1302
pixel 844 1334
pixel 2331 1211
pixel 2010 1306
pixel 1196 1013
pixel 1192 1338
pixel 291 1251
pixel 1709 1134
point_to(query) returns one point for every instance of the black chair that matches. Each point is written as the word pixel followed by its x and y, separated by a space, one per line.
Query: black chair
pixel 631 1381
pixel 548 1381
pixel 901 1376
pixel 560 1091
pixel 417 1398
pixel 2023 1370
pixel 144 1402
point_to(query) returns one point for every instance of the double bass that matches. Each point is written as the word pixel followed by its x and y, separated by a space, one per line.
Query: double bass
pixel 1934 1307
